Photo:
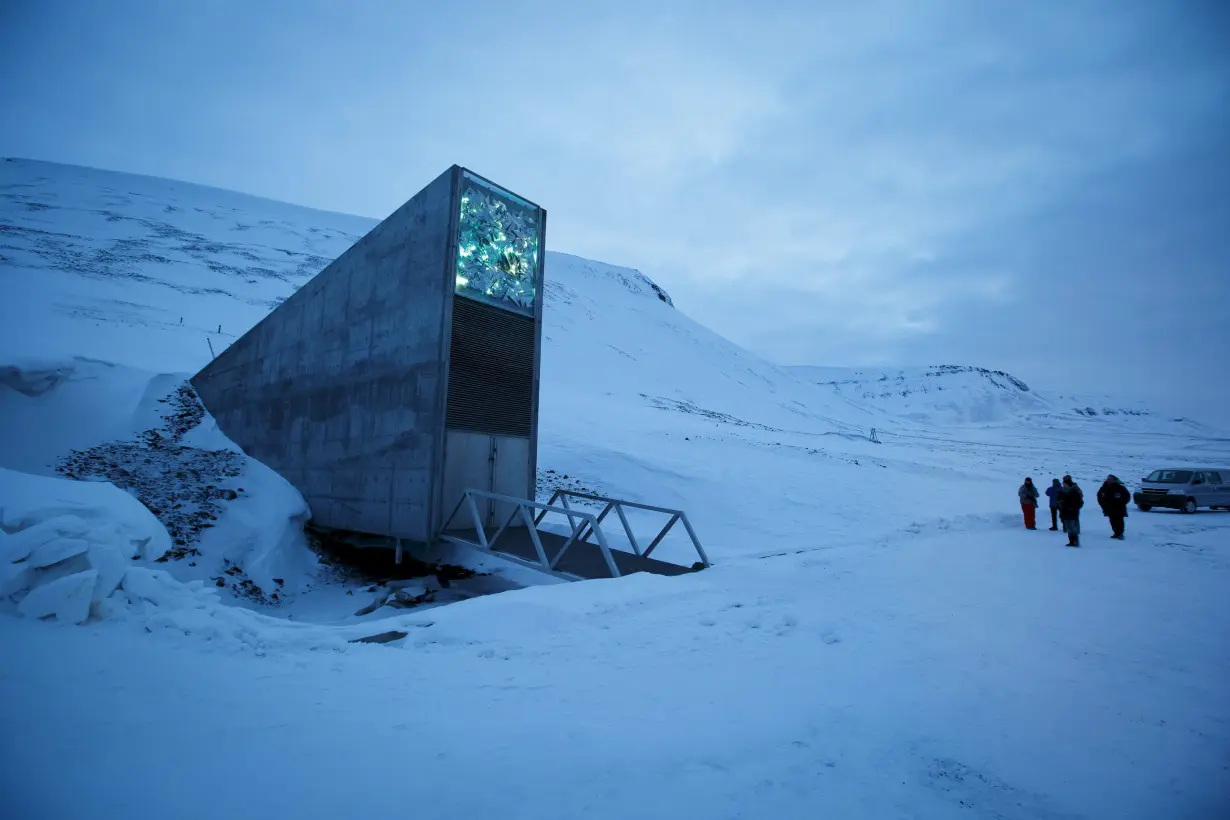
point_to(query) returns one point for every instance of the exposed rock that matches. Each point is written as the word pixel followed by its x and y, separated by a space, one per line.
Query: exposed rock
pixel 383 637
pixel 180 485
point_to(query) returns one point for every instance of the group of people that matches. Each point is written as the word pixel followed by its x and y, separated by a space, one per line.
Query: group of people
pixel 1066 501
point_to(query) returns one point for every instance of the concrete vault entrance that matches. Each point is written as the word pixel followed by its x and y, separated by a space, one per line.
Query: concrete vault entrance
pixel 404 377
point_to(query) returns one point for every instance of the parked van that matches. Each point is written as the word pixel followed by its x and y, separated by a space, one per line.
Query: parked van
pixel 1184 489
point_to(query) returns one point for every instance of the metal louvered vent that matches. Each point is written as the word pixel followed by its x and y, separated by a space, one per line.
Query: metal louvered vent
pixel 491 370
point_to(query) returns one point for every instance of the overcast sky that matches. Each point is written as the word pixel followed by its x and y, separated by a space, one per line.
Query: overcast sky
pixel 1041 187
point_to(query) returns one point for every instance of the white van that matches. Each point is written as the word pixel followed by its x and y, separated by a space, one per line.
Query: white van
pixel 1185 489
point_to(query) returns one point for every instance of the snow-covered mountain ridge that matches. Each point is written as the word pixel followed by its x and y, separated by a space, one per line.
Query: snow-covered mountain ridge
pixel 961 394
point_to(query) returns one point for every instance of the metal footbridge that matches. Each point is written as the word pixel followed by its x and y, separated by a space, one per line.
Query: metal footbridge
pixel 584 553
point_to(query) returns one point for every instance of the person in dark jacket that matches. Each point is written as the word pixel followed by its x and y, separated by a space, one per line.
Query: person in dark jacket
pixel 1071 499
pixel 1052 493
pixel 1113 498
pixel 1028 494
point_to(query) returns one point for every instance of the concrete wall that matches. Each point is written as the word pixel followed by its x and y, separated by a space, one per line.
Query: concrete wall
pixel 341 388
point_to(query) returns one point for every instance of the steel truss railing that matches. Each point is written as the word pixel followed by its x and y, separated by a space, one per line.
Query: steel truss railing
pixel 583 524
pixel 617 505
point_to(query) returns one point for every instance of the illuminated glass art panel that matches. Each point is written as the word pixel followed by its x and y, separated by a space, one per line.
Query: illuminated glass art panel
pixel 497 246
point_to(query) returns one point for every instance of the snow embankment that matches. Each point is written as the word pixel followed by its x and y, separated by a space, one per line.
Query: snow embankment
pixel 67 550
pixel 73 552
pixel 260 528
pixel 148 434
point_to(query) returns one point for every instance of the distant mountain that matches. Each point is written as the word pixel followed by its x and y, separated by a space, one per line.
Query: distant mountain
pixel 958 394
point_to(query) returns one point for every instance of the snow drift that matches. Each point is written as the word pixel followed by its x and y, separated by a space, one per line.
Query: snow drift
pixel 68 550
pixel 146 433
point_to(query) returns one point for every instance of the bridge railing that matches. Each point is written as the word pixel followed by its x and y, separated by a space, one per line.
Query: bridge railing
pixel 617 505
pixel 583 525
pixel 581 522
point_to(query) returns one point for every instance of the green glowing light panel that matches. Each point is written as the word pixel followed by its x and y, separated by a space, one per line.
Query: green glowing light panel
pixel 499 239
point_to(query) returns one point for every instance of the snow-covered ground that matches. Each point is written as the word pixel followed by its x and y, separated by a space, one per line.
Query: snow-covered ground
pixel 878 636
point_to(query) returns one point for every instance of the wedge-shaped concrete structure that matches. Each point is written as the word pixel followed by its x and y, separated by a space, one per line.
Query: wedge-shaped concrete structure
pixel 406 371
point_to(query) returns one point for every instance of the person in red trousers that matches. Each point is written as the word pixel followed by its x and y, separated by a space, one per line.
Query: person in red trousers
pixel 1029 502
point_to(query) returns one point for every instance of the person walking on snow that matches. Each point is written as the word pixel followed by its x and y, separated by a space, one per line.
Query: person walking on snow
pixel 1113 498
pixel 1029 494
pixel 1071 499
pixel 1052 493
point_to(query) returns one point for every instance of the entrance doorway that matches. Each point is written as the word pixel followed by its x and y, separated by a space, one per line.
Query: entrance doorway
pixel 481 461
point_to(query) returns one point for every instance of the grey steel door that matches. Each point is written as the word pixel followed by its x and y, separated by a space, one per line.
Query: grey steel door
pixel 480 461
pixel 468 463
pixel 511 473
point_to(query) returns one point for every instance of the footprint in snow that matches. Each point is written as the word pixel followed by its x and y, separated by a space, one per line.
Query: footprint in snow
pixel 786 625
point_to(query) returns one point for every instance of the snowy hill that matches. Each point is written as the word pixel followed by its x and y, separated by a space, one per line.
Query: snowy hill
pixel 878 636
pixel 150 268
pixel 962 395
